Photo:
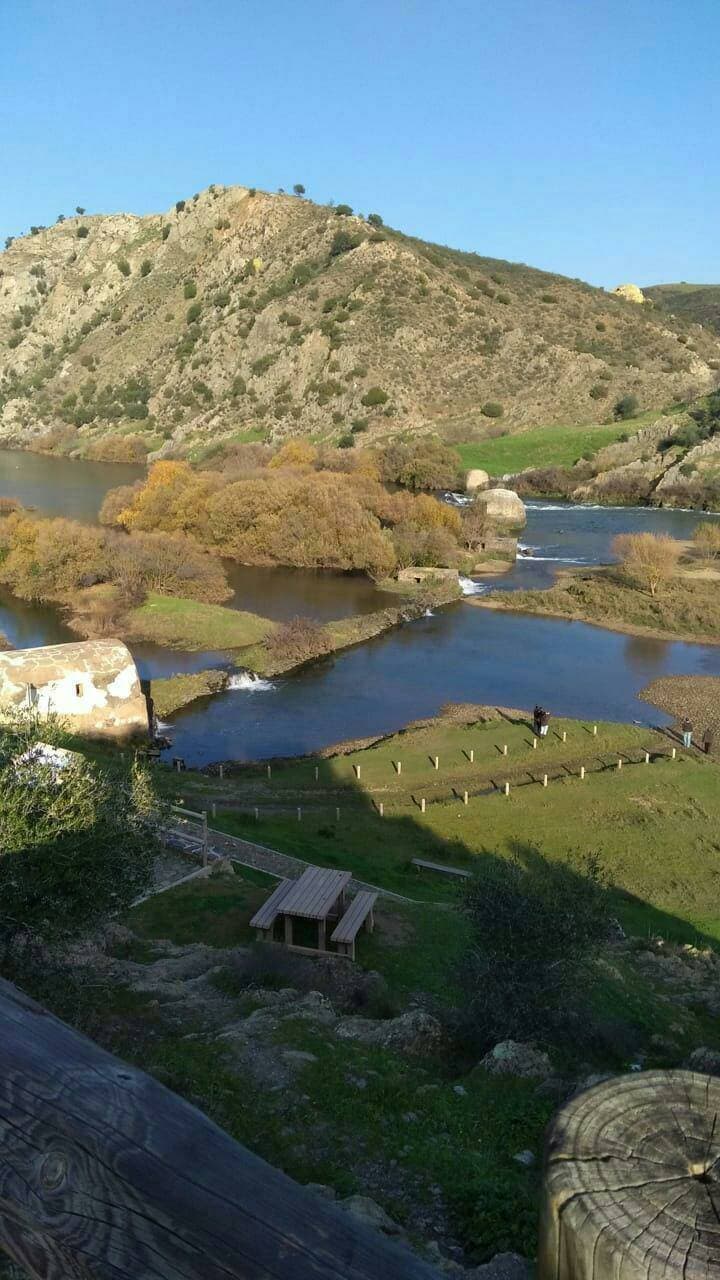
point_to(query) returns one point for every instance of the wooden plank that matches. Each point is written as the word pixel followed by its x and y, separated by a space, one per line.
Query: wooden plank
pixel 267 914
pixel 437 866
pixel 352 922
pixel 106 1175
pixel 316 892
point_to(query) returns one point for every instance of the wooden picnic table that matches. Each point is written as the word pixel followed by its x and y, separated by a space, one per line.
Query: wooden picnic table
pixel 314 897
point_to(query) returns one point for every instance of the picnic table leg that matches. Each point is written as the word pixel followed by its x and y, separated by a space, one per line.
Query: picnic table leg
pixel 288 931
pixel 322 935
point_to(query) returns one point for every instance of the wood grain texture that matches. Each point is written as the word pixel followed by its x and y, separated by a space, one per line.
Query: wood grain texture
pixel 106 1175
pixel 632 1181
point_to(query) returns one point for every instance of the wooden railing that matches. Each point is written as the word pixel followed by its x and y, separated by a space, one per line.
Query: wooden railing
pixel 107 1175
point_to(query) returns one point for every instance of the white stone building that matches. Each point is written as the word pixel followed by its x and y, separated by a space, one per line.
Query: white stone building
pixel 93 686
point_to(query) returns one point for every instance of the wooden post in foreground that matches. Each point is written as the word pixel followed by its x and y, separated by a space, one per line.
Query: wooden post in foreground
pixel 107 1175
pixel 630 1183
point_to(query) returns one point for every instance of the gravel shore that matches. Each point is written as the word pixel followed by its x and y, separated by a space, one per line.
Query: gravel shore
pixel 695 696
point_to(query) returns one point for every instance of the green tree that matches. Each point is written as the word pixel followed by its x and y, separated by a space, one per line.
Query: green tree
pixel 492 409
pixel 82 233
pixel 343 210
pixel 145 267
pixel 299 189
pixel 536 928
pixel 60 217
pixel 193 312
pixel 626 407
pixel 374 396
pixel 8 241
pixel 79 210
pixel 375 220
pixel 76 844
pixel 189 289
pixel 123 266
pixel 179 206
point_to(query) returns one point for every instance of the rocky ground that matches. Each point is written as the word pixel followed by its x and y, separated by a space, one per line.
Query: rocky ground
pixel 695 696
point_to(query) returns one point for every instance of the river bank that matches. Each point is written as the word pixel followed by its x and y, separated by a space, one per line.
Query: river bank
pixel 687 610
pixel 695 696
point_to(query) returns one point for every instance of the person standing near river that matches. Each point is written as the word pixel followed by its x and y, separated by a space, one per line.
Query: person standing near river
pixel 686 729
pixel 543 721
pixel 708 739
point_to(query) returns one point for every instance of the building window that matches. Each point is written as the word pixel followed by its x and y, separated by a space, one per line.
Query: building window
pixel 78 691
pixel 31 695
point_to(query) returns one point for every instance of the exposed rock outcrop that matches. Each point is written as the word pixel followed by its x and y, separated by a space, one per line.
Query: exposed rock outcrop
pixel 505 510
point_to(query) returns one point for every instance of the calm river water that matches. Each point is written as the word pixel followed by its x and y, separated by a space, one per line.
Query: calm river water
pixel 461 654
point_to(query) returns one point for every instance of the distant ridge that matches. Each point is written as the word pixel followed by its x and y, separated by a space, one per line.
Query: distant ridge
pixel 247 315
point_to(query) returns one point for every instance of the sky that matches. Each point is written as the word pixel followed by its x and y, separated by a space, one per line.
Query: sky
pixel 580 136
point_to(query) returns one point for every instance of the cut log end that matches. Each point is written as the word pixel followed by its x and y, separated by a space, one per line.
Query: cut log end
pixel 632 1181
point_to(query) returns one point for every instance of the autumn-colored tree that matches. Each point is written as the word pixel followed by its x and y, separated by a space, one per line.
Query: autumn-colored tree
pixel 648 559
pixel 474 524
pixel 707 539
pixel 422 464
pixel 295 453
pixel 298 640
pixel 118 449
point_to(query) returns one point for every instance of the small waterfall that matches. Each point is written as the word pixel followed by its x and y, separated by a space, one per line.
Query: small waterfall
pixel 162 727
pixel 428 614
pixel 471 588
pixel 249 682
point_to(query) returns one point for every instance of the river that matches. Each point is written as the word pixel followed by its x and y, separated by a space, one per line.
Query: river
pixel 461 654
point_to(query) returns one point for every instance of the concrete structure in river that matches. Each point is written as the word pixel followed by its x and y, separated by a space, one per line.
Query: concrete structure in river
pixel 93 686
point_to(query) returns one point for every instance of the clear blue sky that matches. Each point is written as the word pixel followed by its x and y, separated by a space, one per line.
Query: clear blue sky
pixel 576 135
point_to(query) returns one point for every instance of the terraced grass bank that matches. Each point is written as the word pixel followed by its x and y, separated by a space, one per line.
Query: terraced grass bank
pixel 551 446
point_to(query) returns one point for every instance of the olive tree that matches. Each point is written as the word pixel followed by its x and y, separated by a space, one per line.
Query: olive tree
pixel 76 842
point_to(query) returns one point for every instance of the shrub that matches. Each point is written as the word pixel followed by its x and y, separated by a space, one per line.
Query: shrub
pixel 707 539
pixel 165 233
pixel 599 391
pixel 492 409
pixel 82 233
pixel 299 640
pixel 252 191
pixel 145 267
pixel 343 210
pixel 299 189
pixel 343 242
pixel 123 266
pixel 261 365
pixel 374 396
pixel 179 206
pixel 193 313
pixel 346 441
pixel 648 559
pixel 239 386
pixel 75 847
pixel 536 927
pixel 626 407
pixel 548 297
pixel 189 289
pixel 600 325
pixel 504 298
pixel 375 220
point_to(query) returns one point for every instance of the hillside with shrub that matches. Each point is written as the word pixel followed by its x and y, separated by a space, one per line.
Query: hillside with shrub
pixel 692 303
pixel 241 315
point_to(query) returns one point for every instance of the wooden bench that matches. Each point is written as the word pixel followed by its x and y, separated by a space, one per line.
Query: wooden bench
pixel 348 927
pixel 437 866
pixel 267 914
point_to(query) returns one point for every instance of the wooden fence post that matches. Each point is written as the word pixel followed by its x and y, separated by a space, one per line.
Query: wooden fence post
pixel 619 763
pixel 257 813
pixel 673 753
pixel 628 1180
pixel 269 771
pixel 436 760
pixel 108 1175
pixel 337 815
pixel 472 755
pixel 204 838
pixel 505 749
pixel 299 814
pixel 381 809
pixel 647 757
pixel 214 810
pixel 317 772
pixel 422 805
pixel 534 744
pixel 582 772
pixel 221 771
pixel 507 788
pixel 465 797
pixel 356 767
pixel 594 731
pixel 564 735
pixel 545 779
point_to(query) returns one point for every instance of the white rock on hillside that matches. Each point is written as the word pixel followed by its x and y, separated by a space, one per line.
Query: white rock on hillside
pixel 512 1058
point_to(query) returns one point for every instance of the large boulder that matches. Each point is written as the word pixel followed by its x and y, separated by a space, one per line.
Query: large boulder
pixel 476 479
pixel 412 1032
pixel 630 292
pixel 513 1058
pixel 504 508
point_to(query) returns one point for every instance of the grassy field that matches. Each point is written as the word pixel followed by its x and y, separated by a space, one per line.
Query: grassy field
pixel 669 807
pixel 189 624
pixel 544 446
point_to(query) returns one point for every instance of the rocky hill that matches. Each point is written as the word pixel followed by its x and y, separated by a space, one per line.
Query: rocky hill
pixel 246 315
pixel 692 303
